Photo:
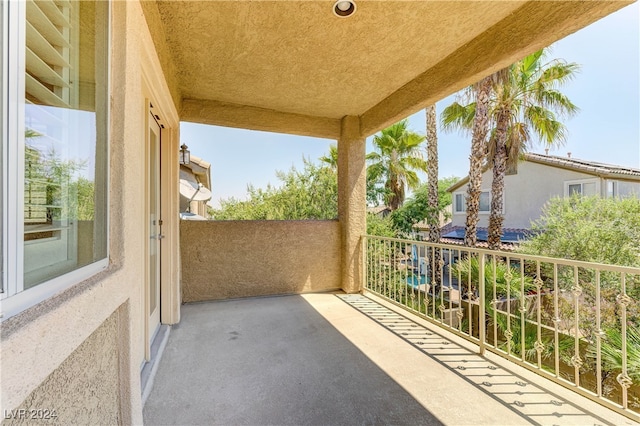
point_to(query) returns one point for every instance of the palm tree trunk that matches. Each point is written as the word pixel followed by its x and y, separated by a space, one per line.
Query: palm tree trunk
pixel 395 193
pixel 497 186
pixel 480 126
pixel 433 213
pixel 433 219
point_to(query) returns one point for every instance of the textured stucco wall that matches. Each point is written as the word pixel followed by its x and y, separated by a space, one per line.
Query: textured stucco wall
pixel 230 259
pixel 317 74
pixel 86 386
pixel 351 202
pixel 61 351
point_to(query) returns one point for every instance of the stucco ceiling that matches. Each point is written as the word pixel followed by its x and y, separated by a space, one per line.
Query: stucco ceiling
pixel 388 59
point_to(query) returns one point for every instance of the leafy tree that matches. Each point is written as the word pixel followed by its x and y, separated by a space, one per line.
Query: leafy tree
pixel 311 193
pixel 53 181
pixel 601 230
pixel 396 162
pixel 375 192
pixel 380 226
pixel 83 202
pixel 592 229
pixel 417 208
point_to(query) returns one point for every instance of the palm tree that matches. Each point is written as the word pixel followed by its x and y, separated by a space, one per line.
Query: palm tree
pixel 522 99
pixel 433 212
pixel 331 159
pixel 433 218
pixel 526 101
pixel 396 162
pixel 474 115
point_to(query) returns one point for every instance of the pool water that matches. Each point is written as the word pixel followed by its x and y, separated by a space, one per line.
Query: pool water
pixel 416 280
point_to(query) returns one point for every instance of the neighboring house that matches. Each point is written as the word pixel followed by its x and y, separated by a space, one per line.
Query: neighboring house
pixel 93 268
pixel 537 179
pixel 380 211
pixel 195 189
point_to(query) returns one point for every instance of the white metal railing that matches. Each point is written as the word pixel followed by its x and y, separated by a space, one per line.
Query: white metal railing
pixel 576 323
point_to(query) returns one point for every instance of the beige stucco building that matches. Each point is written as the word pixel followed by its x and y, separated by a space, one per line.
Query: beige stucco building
pixel 195 174
pixel 539 178
pixel 84 291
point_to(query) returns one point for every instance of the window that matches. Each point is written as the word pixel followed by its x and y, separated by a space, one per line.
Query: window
pixel 612 188
pixel 485 202
pixel 585 187
pixel 57 58
pixel 622 189
pixel 461 202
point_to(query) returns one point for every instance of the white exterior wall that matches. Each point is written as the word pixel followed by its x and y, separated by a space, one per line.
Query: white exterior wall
pixel 36 343
pixel 525 193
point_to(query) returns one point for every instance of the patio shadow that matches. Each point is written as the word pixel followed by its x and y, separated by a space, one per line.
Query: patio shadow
pixel 268 361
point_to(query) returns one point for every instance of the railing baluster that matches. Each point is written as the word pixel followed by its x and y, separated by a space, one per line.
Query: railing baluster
pixel 539 345
pixel 365 268
pixel 385 268
pixel 523 313
pixel 598 338
pixel 460 288
pixel 396 271
pixel 576 360
pixel 378 259
pixel 483 313
pixel 509 334
pixel 623 378
pixel 406 276
pixel 556 321
pixel 494 301
pixel 577 288
pixel 436 298
pixel 389 275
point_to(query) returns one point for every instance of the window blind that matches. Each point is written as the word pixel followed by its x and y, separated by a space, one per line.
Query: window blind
pixel 48 70
pixel 48 73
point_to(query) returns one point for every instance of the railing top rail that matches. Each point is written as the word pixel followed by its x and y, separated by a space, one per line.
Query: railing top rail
pixel 542 259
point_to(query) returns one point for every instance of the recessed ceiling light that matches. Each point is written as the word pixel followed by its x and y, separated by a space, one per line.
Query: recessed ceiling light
pixel 344 8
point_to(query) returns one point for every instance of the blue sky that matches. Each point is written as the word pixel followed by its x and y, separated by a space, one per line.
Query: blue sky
pixel 607 128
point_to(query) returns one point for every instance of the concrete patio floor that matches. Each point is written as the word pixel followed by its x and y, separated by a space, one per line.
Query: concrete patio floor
pixel 336 359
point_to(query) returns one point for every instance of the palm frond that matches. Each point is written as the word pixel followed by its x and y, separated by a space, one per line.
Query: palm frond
pixel 558 72
pixel 558 101
pixel 458 117
pixel 543 121
pixel 518 137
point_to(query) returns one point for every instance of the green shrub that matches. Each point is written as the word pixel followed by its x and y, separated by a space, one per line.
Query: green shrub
pixel 471 265
pixel 592 229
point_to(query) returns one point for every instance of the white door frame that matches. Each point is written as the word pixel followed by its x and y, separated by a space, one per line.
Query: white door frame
pixel 155 92
pixel 152 300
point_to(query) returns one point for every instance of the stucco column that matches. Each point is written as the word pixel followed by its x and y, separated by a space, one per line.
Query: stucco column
pixel 351 201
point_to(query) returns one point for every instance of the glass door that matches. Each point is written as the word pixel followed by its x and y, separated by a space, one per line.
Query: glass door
pixel 155 236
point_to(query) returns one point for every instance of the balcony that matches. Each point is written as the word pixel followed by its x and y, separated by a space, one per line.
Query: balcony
pixel 333 358
pixel 400 352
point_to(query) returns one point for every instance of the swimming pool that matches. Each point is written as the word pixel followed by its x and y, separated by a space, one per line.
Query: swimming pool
pixel 416 280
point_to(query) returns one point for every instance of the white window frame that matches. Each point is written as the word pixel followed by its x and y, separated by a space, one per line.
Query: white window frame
pixel 464 196
pixel 14 299
pixel 614 188
pixel 455 202
pixel 581 182
pixel 4 23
